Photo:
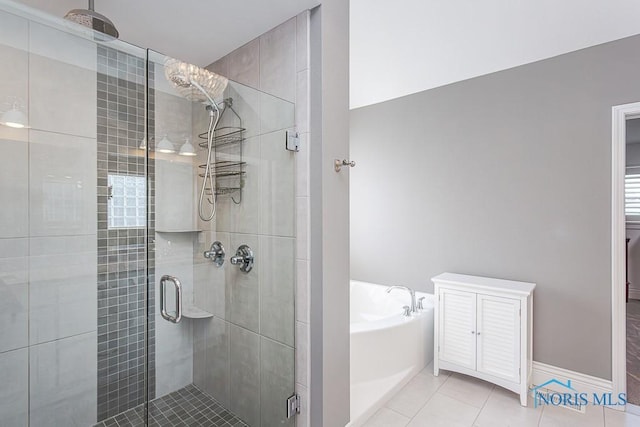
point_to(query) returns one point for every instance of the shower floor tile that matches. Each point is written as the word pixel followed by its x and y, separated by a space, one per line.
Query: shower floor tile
pixel 186 407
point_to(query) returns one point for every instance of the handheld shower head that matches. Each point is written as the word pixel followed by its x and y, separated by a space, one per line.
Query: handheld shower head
pixel 198 84
pixel 193 82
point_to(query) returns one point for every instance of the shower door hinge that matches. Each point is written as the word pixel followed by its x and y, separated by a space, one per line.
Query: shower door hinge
pixel 293 406
pixel 293 141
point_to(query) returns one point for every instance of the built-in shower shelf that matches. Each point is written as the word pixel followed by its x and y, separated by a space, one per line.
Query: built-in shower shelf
pixel 193 312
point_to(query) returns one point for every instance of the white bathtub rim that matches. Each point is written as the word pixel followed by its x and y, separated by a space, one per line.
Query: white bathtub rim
pixel 428 302
pixel 385 323
pixel 395 319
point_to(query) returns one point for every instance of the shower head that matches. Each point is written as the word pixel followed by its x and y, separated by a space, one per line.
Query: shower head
pixel 193 82
pixel 94 20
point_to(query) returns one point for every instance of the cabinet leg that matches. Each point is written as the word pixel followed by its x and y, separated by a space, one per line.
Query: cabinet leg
pixel 523 399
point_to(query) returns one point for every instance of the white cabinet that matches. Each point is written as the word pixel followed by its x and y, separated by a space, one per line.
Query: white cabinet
pixel 498 333
pixel 483 328
pixel 457 333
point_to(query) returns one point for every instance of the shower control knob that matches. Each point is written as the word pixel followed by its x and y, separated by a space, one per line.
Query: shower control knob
pixel 216 253
pixel 243 258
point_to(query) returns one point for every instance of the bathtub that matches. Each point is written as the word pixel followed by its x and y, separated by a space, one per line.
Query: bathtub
pixel 387 348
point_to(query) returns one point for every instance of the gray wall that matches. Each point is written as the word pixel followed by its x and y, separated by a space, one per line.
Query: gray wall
pixel 506 175
pixel 329 215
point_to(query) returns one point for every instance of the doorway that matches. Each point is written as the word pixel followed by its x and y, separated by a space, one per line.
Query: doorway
pixel 625 232
pixel 632 259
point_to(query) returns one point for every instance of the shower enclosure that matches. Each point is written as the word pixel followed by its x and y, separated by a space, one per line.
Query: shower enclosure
pixel 102 162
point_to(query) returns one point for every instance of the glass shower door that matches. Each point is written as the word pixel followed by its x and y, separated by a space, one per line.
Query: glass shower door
pixel 72 224
pixel 101 158
pixel 230 356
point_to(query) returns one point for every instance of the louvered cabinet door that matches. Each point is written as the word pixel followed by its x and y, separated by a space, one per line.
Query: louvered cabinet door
pixel 457 318
pixel 499 337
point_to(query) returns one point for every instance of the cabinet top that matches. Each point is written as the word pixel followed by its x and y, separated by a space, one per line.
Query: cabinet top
pixel 488 283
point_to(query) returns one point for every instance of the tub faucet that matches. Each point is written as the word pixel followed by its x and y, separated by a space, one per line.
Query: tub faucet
pixel 411 292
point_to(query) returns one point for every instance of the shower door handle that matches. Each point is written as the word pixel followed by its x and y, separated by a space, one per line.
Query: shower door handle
pixel 163 298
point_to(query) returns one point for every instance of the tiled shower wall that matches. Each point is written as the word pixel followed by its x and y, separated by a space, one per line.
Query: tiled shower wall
pixel 122 253
pixel 66 360
pixel 48 229
pixel 277 63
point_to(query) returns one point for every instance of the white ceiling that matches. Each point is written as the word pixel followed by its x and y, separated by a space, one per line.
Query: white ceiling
pixel 407 46
pixel 397 47
pixel 198 31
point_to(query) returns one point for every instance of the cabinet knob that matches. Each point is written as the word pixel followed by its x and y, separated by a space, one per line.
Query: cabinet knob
pixel 478 333
pixel 473 332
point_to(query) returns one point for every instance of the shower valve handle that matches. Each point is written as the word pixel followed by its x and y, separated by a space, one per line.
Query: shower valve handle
pixel 243 258
pixel 216 253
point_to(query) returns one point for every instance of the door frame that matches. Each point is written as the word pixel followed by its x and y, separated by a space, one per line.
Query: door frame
pixel 620 114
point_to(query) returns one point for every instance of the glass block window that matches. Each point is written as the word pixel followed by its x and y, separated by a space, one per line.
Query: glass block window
pixel 127 201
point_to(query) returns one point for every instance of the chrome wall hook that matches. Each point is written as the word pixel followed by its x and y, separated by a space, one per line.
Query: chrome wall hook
pixel 340 163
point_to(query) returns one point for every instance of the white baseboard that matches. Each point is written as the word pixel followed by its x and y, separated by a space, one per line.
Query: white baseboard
pixel 581 382
pixel 634 293
pixel 633 409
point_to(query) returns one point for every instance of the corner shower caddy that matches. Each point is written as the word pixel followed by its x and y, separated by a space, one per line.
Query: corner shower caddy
pixel 230 172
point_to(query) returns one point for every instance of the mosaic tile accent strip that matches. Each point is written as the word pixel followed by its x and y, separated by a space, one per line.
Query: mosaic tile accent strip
pixel 187 407
pixel 122 253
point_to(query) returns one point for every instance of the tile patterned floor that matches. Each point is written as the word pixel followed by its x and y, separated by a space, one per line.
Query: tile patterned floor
pixel 454 400
pixel 633 351
pixel 187 407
